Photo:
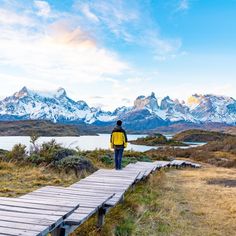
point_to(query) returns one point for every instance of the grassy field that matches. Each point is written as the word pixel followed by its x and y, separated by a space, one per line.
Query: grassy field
pixel 16 179
pixel 175 202
pixel 170 202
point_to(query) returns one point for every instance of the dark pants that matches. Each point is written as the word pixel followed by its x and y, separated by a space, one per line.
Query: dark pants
pixel 118 157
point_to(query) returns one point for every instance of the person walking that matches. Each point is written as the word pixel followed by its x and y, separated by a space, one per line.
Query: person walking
pixel 118 142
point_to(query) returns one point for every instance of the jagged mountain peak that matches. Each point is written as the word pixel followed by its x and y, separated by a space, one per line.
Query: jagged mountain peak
pixel 60 92
pixel 149 102
pixel 22 93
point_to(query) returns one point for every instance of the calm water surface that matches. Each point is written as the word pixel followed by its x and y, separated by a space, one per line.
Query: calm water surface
pixel 83 142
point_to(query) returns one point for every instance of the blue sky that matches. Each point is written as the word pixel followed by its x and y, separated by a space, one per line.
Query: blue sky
pixel 109 52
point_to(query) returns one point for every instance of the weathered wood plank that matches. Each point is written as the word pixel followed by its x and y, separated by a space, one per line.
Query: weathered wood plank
pixel 67 191
pixel 28 216
pixel 17 232
pixel 30 210
pixel 50 202
pixel 4 202
pixel 13 218
pixel 23 226
pixel 78 196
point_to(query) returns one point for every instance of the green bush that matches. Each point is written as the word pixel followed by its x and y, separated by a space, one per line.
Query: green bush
pixel 18 152
pixel 76 163
pixel 36 158
pixel 49 149
pixel 62 153
pixel 107 159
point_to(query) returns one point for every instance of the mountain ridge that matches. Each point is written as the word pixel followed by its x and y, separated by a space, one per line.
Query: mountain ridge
pixel 146 113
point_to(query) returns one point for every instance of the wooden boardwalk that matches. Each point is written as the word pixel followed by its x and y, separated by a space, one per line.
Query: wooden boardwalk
pixel 60 211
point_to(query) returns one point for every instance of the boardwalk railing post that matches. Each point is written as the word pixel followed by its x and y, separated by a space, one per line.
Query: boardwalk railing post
pixel 101 217
pixel 58 232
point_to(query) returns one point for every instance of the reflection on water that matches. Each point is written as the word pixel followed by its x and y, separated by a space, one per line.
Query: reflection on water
pixel 82 142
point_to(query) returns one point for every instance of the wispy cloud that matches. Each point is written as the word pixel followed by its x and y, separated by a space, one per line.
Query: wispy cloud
pixel 113 15
pixel 43 8
pixel 8 17
pixel 129 23
pixel 86 10
pixel 183 5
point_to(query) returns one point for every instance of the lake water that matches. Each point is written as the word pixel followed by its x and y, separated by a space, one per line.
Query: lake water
pixel 82 142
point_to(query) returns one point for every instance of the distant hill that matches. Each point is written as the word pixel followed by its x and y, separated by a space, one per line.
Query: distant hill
pixel 196 135
pixel 42 128
pixel 157 140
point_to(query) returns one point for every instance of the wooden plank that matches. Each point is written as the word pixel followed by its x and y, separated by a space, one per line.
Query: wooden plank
pixel 110 179
pixel 18 232
pixel 162 163
pixel 106 180
pixel 28 216
pixel 61 196
pixel 23 226
pixel 13 218
pixel 101 183
pixel 68 191
pixel 84 192
pixel 50 202
pixel 30 210
pixel 94 186
pixel 5 202
pixel 84 202
pixel 116 199
pixel 85 210
pixel 176 162
pixel 77 219
pixel 124 174
pixel 74 195
pixel 110 171
pixel 99 187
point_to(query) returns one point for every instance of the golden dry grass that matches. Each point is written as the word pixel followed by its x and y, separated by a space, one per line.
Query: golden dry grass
pixel 175 202
pixel 210 209
pixel 16 179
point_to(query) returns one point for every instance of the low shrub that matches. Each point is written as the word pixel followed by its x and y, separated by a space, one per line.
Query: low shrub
pixel 62 153
pixel 18 152
pixel 49 149
pixel 107 159
pixel 79 165
pixel 36 158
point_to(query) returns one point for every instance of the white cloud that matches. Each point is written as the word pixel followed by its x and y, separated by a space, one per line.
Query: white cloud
pixel 8 17
pixel 115 16
pixel 43 8
pixel 85 8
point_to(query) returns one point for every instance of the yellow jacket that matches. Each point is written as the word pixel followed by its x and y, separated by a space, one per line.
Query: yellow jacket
pixel 118 138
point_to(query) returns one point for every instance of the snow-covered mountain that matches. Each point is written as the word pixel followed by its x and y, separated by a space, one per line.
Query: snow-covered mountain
pixel 210 108
pixel 55 106
pixel 146 113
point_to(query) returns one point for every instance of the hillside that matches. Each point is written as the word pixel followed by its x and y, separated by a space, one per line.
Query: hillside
pixel 219 153
pixel 197 135
pixel 157 140
pixel 42 128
